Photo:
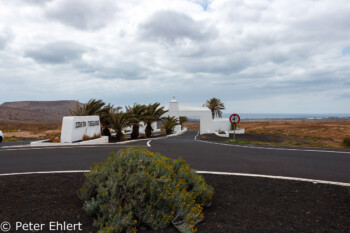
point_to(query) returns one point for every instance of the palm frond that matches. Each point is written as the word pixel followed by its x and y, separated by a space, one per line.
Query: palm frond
pixel 215 105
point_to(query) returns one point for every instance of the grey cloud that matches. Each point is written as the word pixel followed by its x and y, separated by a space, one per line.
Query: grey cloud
pixel 82 14
pixel 36 2
pixel 58 52
pixel 121 70
pixel 5 37
pixel 216 65
pixel 171 26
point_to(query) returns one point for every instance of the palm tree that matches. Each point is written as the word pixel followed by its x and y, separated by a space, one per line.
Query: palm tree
pixel 215 107
pixel 138 114
pixel 153 113
pixel 183 119
pixel 169 124
pixel 92 107
pixel 120 120
pixel 106 119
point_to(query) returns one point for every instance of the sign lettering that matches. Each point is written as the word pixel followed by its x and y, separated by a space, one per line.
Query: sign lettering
pixel 93 123
pixel 80 124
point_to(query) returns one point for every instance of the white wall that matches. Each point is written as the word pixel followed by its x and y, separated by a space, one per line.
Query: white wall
pixel 203 113
pixel 223 124
pixel 207 124
pixel 75 127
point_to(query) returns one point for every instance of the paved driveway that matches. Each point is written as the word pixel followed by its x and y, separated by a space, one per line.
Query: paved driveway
pixel 322 164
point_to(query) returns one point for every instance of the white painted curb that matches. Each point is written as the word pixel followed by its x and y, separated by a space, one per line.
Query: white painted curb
pixel 276 177
pixel 205 172
pixel 41 143
pixel 44 172
pixel 97 141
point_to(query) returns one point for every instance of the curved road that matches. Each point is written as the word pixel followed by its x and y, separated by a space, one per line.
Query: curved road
pixel 321 164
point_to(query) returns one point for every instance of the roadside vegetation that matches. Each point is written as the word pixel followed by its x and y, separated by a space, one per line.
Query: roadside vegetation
pixel 153 113
pixel 115 118
pixel 346 142
pixel 138 189
pixel 182 121
pixel 169 124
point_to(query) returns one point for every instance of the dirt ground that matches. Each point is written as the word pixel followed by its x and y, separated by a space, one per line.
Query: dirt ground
pixel 240 204
pixel 329 133
pixel 28 131
pixel 325 132
pixel 30 134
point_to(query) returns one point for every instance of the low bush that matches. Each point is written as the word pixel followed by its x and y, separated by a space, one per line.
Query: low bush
pixel 221 132
pixel 346 142
pixel 123 138
pixel 140 189
pixel 86 138
pixel 54 139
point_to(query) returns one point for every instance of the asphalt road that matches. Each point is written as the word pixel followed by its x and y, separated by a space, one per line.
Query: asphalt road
pixel 19 143
pixel 321 164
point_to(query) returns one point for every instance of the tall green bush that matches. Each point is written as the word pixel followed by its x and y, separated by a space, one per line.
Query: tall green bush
pixel 136 188
pixel 234 126
pixel 346 142
pixel 169 124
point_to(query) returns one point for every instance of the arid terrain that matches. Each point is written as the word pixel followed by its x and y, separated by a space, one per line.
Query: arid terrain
pixel 29 131
pixel 35 111
pixel 324 132
pixel 29 120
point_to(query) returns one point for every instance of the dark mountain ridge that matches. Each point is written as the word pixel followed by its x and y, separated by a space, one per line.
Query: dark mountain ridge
pixel 35 111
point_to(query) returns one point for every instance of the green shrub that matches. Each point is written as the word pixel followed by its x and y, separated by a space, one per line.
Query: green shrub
pixel 234 126
pixel 136 188
pixel 169 124
pixel 346 142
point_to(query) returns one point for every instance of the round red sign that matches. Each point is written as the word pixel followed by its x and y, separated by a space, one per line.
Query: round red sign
pixel 235 119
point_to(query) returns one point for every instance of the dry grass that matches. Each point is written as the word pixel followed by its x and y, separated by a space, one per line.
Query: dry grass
pixel 22 131
pixel 194 126
pixel 327 132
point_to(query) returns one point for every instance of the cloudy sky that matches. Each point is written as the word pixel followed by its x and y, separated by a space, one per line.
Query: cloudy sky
pixel 265 56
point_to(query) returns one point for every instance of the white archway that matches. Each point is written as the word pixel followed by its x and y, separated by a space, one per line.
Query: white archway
pixel 207 124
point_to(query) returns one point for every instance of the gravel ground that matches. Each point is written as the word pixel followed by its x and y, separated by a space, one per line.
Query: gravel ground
pixel 240 204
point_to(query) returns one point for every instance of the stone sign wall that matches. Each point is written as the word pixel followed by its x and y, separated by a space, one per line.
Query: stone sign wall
pixel 75 127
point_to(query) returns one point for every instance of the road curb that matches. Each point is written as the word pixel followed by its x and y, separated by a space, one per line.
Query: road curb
pixel 204 172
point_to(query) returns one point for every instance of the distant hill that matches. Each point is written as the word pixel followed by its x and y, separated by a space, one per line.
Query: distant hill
pixel 35 111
